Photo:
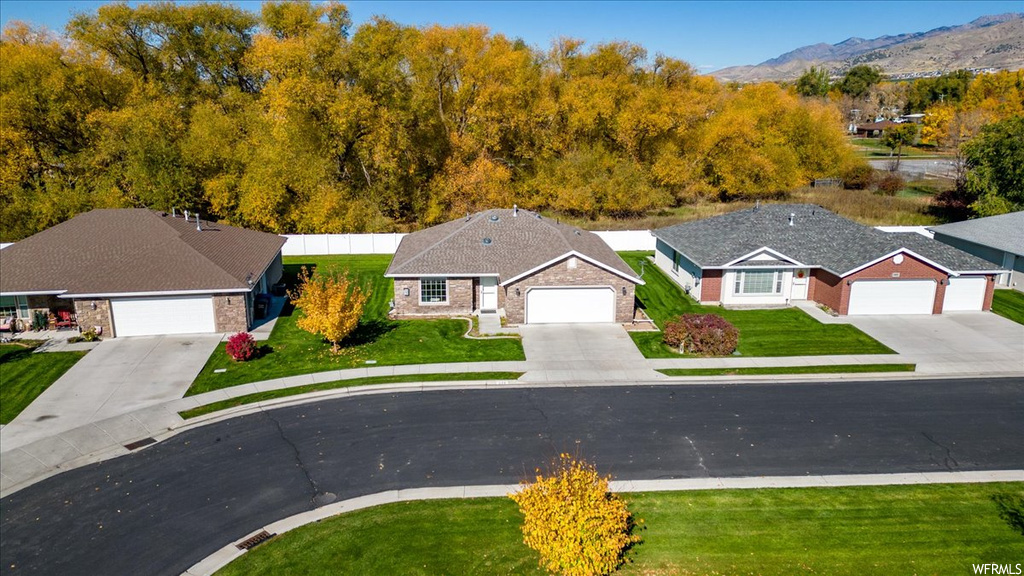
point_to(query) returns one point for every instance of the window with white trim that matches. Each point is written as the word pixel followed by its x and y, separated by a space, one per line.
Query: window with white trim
pixel 433 290
pixel 758 282
pixel 16 306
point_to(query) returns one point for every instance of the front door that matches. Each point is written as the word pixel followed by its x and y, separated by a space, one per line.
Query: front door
pixel 799 285
pixel 488 294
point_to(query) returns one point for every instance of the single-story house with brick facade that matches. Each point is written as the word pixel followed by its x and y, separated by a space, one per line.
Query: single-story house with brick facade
pixel 779 254
pixel 516 263
pixel 997 239
pixel 137 272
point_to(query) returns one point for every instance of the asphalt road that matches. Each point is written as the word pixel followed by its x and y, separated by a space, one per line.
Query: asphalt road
pixel 160 510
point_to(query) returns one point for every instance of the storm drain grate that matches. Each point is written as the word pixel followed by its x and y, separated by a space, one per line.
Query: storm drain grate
pixel 254 540
pixel 140 443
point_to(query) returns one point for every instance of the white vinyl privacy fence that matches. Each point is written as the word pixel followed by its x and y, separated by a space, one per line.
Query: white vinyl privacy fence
pixel 326 244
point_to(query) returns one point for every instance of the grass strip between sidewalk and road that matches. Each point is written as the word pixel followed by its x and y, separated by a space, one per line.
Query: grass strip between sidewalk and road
pixel 397 379
pixel 24 375
pixel 758 370
pixel 855 531
pixel 1009 304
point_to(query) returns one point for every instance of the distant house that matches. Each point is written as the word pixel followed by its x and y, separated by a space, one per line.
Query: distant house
pixel 138 272
pixel 785 253
pixel 531 269
pixel 874 129
pixel 997 239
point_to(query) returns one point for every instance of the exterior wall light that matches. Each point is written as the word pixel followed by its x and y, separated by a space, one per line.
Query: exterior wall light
pixel 405 291
pixel 517 291
pixel 623 290
pixel 93 304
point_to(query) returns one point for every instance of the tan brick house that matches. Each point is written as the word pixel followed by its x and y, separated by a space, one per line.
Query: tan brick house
pixel 513 262
pixel 783 253
pixel 137 272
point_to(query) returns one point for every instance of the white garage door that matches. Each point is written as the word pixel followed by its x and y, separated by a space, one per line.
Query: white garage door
pixel 965 294
pixel 569 305
pixel 892 297
pixel 150 316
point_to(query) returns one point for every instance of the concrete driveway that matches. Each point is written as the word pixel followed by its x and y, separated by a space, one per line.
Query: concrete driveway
pixel 582 352
pixel 120 375
pixel 951 343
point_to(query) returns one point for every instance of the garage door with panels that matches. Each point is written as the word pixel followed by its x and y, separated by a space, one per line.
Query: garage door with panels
pixel 892 297
pixel 965 293
pixel 568 304
pixel 150 316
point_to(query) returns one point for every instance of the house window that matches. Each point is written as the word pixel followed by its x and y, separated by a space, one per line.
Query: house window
pixel 13 306
pixel 675 261
pixel 758 282
pixel 433 290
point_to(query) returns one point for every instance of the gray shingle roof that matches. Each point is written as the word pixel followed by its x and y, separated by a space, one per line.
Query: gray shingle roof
pixel 516 245
pixel 816 238
pixel 136 250
pixel 1004 232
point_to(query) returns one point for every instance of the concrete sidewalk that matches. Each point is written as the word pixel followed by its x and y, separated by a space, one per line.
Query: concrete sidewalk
pixel 211 564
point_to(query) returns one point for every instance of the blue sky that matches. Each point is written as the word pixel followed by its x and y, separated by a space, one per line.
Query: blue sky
pixel 709 35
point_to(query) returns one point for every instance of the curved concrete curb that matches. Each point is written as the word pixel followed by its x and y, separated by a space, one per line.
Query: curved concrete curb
pixel 230 552
pixel 23 466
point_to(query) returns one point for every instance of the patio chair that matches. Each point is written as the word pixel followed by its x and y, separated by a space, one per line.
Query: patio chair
pixel 65 319
pixel 7 324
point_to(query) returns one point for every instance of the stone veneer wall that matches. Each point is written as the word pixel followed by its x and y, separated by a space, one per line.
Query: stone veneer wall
pixel 461 298
pixel 559 274
pixel 100 317
pixel 229 312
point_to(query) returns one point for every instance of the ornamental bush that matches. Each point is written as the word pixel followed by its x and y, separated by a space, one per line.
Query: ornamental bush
pixel 241 347
pixel 701 334
pixel 890 184
pixel 573 521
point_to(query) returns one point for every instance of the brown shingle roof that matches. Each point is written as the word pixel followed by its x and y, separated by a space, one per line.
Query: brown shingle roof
pixel 514 245
pixel 136 250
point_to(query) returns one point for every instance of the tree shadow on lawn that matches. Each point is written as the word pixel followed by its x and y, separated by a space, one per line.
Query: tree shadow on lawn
pixel 368 332
pixel 16 355
pixel 1011 509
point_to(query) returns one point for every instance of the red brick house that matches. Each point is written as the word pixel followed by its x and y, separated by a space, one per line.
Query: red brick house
pixel 137 272
pixel 784 253
pixel 515 263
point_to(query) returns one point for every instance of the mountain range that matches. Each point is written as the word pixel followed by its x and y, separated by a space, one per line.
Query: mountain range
pixel 987 43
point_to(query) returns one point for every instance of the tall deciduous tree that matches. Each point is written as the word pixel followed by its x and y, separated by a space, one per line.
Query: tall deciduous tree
pixel 995 160
pixel 857 81
pixel 897 137
pixel 814 82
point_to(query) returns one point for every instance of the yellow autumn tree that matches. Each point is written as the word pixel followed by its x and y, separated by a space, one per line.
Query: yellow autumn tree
pixel 331 304
pixel 573 521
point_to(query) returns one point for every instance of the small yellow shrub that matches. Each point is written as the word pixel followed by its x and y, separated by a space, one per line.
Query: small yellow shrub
pixel 573 521
pixel 331 305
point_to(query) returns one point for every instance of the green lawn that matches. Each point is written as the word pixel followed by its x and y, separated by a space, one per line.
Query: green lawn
pixel 24 375
pixel 827 369
pixel 283 392
pixel 1009 304
pixel 291 350
pixel 856 531
pixel 775 332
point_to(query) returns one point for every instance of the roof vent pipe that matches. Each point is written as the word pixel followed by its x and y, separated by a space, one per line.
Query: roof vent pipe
pixel 199 227
pixel 791 216
pixel 174 212
pixel 757 205
pixel 186 214
pixel 515 210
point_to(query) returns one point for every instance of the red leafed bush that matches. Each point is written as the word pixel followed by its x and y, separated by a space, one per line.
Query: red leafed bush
pixel 701 334
pixel 241 347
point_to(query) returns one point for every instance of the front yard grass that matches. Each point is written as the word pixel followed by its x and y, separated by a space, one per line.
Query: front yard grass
pixel 774 332
pixel 24 375
pixel 1009 304
pixel 760 370
pixel 285 392
pixel 292 350
pixel 856 531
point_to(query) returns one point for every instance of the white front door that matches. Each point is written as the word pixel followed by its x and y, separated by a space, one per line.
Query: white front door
pixel 565 305
pixel 965 293
pixel 488 294
pixel 800 279
pixel 171 315
pixel 892 297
